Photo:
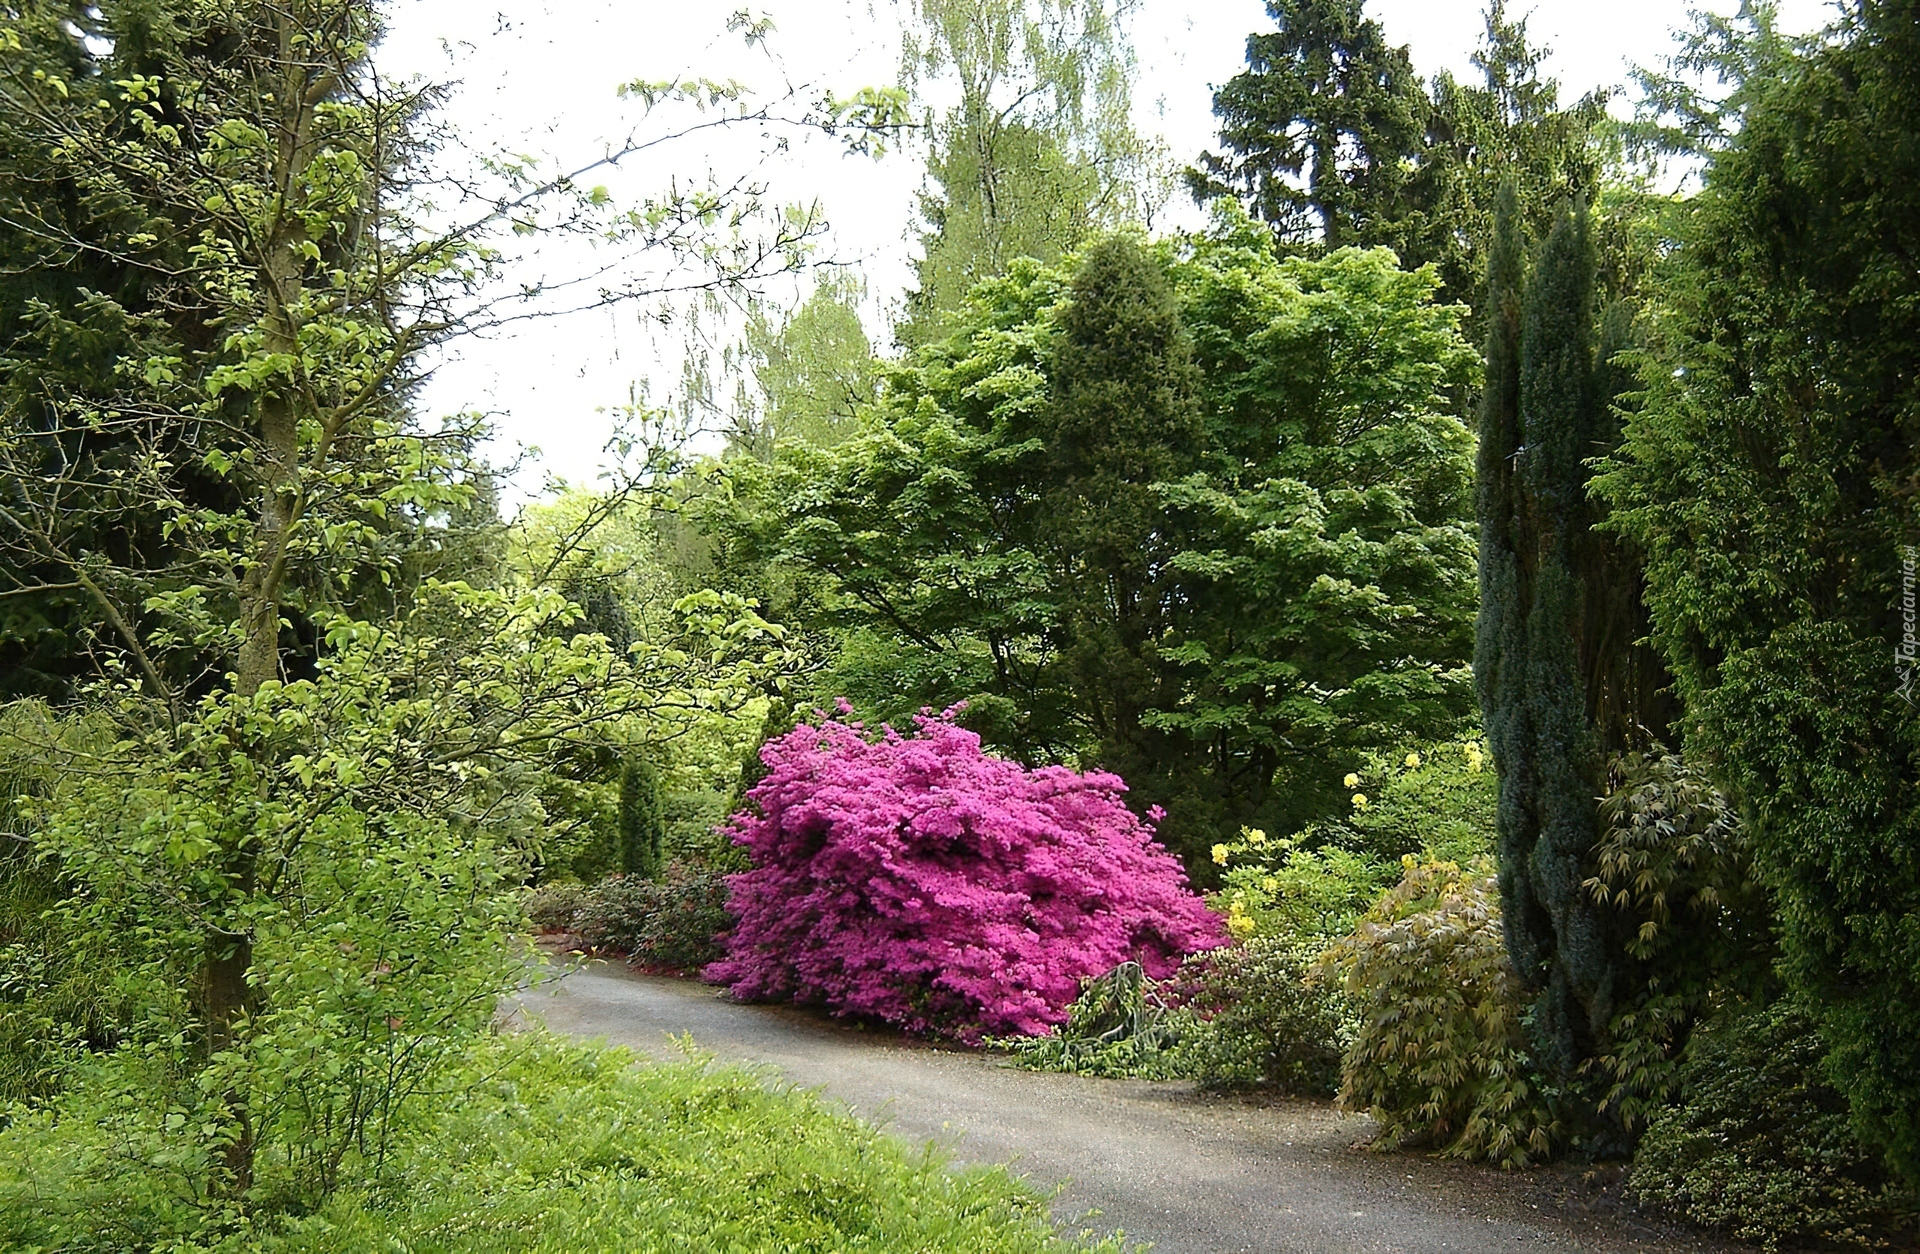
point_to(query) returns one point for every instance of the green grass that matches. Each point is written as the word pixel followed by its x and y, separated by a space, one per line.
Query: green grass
pixel 578 1150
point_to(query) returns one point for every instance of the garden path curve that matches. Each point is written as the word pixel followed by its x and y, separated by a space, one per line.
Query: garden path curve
pixel 1191 1174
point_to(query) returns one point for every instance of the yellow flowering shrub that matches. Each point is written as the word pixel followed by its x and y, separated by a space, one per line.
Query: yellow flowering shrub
pixel 1274 887
pixel 1436 798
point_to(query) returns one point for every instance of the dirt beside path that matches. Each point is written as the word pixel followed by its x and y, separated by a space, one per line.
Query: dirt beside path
pixel 1166 1165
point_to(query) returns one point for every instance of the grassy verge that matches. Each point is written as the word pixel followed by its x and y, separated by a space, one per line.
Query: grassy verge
pixel 574 1149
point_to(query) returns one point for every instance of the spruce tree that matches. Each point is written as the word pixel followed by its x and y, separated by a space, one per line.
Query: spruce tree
pixel 643 818
pixel 1320 131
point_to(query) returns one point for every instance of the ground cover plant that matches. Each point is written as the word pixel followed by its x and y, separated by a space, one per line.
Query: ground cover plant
pixel 540 1145
pixel 919 880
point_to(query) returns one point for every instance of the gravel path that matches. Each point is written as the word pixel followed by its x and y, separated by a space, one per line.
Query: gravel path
pixel 1162 1163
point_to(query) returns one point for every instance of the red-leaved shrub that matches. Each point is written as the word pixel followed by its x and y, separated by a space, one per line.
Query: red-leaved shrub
pixel 918 880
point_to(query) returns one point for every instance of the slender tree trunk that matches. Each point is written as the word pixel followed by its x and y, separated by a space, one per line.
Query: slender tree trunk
pixel 227 993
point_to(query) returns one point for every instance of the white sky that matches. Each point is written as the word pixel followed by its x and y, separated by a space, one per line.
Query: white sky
pixel 540 75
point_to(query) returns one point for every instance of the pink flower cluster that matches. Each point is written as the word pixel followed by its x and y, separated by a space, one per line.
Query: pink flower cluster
pixel 920 881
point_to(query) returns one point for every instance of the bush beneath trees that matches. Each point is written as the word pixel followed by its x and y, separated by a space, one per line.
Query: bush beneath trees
pixel 553 907
pixel 1760 1143
pixel 919 881
pixel 1439 1057
pixel 669 923
pixel 1254 1017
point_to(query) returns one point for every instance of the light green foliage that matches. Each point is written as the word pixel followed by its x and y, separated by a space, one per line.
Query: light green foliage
pixel 1278 888
pixel 538 1145
pixel 386 811
pixel 1039 151
pixel 1437 800
pixel 1438 797
pixel 1440 1057
pixel 1300 590
pixel 59 990
pixel 1326 561
pixel 612 555
pixel 924 527
pixel 1760 1145
pixel 811 371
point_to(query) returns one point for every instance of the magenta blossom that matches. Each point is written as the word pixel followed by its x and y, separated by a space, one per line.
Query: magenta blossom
pixel 921 881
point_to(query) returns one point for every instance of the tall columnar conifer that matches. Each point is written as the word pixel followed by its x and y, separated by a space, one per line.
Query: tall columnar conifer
pixel 643 818
pixel 1558 678
pixel 1124 417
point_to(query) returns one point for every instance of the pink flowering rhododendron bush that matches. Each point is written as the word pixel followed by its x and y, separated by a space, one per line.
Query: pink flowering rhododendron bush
pixel 919 880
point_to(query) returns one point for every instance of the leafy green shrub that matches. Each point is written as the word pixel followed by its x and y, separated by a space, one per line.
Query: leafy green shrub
pixel 1673 860
pixel 1244 1017
pixel 1119 1027
pixel 58 989
pixel 543 1145
pixel 670 922
pixel 557 905
pixel 1439 1055
pixel 1438 798
pixel 1760 1143
pixel 1253 1017
pixel 1276 888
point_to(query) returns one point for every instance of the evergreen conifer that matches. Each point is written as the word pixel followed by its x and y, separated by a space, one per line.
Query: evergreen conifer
pixel 643 819
pixel 1562 683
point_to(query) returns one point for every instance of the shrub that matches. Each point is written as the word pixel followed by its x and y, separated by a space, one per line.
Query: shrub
pixel 920 881
pixel 1253 1017
pixel 1673 862
pixel 541 1144
pixel 1276 888
pixel 1439 1057
pixel 670 922
pixel 1119 1027
pixel 1438 798
pixel 555 906
pixel 1760 1143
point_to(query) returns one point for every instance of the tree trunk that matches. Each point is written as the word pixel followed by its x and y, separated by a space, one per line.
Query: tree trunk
pixel 227 995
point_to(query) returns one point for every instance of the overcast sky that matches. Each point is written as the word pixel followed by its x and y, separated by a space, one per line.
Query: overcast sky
pixel 540 75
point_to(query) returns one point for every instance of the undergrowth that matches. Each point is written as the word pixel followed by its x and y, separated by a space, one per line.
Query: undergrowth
pixel 558 1148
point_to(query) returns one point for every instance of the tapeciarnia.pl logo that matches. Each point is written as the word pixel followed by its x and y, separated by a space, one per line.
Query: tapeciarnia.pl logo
pixel 1906 654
